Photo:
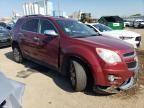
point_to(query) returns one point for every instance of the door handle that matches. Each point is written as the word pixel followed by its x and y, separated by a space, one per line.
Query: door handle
pixel 36 39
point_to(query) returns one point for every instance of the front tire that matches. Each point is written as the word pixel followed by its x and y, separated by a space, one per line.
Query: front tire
pixel 78 76
pixel 17 55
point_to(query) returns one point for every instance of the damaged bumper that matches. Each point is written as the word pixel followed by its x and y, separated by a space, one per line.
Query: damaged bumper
pixel 128 84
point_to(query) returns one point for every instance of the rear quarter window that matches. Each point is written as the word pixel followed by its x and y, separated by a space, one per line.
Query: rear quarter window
pixel 31 25
pixel 18 24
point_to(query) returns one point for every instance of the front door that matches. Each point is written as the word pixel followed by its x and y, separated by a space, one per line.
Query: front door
pixel 48 49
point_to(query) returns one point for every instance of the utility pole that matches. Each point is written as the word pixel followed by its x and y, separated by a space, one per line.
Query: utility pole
pixel 59 8
pixel 45 6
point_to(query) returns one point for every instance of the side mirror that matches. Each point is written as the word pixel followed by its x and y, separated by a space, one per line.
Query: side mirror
pixel 50 32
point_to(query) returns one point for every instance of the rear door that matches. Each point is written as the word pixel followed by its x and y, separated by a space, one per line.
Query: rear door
pixel 29 37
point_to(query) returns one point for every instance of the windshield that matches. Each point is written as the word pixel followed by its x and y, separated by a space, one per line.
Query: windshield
pixel 114 19
pixel 76 29
pixel 102 27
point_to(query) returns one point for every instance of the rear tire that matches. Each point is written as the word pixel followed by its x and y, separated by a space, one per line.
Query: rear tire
pixel 78 76
pixel 17 55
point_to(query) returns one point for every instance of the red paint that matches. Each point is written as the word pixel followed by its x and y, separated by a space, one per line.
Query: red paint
pixel 55 49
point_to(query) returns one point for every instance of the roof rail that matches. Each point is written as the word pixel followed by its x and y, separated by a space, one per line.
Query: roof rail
pixel 33 15
pixel 59 17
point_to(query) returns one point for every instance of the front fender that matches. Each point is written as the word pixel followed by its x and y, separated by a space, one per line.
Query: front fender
pixel 89 56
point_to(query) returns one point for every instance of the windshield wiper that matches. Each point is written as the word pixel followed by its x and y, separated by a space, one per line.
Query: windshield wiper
pixel 94 35
pixel 84 36
pixel 78 36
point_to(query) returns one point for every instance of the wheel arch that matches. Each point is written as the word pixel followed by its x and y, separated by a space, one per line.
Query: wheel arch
pixel 14 43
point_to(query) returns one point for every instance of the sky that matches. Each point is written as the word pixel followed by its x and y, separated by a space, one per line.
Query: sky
pixel 96 7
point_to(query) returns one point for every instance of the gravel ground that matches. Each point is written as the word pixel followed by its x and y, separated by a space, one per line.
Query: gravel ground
pixel 46 89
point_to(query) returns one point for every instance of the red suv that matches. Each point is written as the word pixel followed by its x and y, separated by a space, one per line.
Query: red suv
pixel 73 49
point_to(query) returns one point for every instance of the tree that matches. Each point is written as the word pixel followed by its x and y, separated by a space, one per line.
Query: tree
pixel 136 15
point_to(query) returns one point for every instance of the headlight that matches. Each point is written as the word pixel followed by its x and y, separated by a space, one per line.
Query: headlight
pixel 125 38
pixel 108 55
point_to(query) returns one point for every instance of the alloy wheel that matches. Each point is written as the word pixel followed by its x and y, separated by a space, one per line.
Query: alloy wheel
pixel 72 74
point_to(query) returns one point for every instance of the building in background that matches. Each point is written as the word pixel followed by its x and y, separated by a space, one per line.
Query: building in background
pixel 76 15
pixel 44 7
pixel 60 13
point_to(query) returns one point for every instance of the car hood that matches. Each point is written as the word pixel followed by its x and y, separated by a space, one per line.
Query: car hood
pixel 118 33
pixel 107 42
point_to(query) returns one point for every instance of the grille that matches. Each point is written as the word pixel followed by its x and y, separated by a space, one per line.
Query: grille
pixel 138 39
pixel 128 54
pixel 132 64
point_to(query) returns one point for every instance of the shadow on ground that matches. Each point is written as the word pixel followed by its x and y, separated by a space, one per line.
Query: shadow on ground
pixel 63 82
pixel 31 68
pixel 60 81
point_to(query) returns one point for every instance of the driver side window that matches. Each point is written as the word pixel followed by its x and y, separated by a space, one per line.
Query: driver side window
pixel 47 25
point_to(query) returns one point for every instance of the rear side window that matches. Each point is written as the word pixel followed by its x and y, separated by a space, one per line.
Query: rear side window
pixel 18 23
pixel 31 25
pixel 114 19
pixel 47 25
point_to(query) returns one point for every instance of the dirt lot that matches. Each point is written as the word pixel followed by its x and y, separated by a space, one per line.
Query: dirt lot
pixel 46 89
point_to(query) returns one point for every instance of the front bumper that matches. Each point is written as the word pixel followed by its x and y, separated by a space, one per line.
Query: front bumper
pixel 128 84
pixel 141 25
pixel 3 44
pixel 126 72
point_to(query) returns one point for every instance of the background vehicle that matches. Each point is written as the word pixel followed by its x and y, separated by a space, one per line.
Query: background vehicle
pixel 138 23
pixel 5 38
pixel 75 50
pixel 11 92
pixel 2 24
pixel 85 17
pixel 126 23
pixel 128 36
pixel 114 22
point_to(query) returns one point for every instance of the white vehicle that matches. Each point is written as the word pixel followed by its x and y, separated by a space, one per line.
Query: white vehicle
pixel 128 36
pixel 11 92
pixel 127 23
pixel 138 23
